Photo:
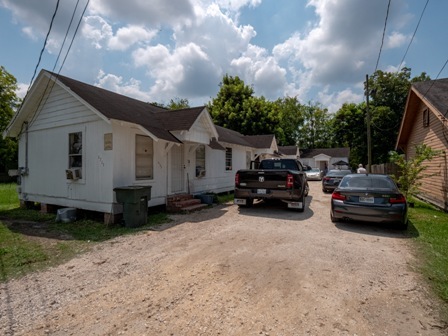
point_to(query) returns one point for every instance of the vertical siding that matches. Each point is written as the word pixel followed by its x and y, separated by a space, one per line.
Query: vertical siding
pixel 433 188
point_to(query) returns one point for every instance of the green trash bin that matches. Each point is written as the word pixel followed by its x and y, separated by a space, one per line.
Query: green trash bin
pixel 135 204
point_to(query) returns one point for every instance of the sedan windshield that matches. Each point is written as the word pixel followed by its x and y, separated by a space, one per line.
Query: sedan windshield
pixel 338 172
pixel 366 181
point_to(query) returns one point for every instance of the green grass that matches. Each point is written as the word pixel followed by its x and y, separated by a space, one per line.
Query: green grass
pixel 30 240
pixel 432 245
pixel 224 198
pixel 8 196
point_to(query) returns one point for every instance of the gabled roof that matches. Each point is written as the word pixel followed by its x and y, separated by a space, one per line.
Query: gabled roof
pixel 230 136
pixel 254 141
pixel 332 152
pixel 260 141
pixel 288 150
pixel 433 94
pixel 113 106
pixel 158 121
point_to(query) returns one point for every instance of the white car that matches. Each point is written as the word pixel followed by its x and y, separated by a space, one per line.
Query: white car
pixel 314 174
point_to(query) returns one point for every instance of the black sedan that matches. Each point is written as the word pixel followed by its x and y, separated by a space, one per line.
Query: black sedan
pixel 369 198
pixel 331 180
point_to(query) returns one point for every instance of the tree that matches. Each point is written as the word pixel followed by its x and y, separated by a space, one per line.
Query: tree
pixel 388 92
pixel 413 169
pixel 290 115
pixel 315 129
pixel 349 130
pixel 178 103
pixel 9 102
pixel 236 108
pixel 174 104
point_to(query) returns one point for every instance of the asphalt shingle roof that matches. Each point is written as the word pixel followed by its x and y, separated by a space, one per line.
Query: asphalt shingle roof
pixel 436 91
pixel 288 150
pixel 157 120
pixel 332 152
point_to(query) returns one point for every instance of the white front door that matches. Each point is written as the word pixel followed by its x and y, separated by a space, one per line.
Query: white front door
pixel 177 169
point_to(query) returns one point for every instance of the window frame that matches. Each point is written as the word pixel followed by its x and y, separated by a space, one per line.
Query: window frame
pixel 75 152
pixel 142 157
pixel 426 117
pixel 228 158
pixel 199 160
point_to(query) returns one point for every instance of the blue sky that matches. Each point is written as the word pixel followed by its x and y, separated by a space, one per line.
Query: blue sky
pixel 316 50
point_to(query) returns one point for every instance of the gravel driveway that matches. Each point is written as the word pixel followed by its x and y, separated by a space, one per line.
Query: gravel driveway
pixel 264 270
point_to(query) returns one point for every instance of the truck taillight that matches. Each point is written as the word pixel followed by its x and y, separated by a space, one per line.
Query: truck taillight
pixel 289 181
pixel 237 179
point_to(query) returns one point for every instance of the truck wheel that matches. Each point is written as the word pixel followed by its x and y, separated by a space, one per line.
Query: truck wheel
pixel 302 199
pixel 307 189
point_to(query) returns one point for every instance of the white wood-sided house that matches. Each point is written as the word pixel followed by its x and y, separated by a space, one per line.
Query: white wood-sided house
pixel 325 158
pixel 425 121
pixel 78 142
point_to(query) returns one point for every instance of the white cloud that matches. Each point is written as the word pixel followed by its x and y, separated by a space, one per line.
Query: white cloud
pixel 236 5
pixel 130 88
pixel 150 13
pixel 97 30
pixel 396 40
pixel 130 35
pixel 257 67
pixel 22 89
pixel 334 100
pixel 185 46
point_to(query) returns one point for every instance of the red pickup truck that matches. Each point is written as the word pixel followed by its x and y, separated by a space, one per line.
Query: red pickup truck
pixel 281 179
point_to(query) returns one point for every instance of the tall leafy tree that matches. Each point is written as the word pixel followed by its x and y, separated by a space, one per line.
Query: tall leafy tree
pixel 235 107
pixel 315 130
pixel 291 118
pixel 349 130
pixel 388 94
pixel 9 103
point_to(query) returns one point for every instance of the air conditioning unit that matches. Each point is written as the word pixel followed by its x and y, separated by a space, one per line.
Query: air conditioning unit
pixel 201 173
pixel 73 174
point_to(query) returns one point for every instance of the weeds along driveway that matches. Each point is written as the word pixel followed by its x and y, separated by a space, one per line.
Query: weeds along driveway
pixel 264 270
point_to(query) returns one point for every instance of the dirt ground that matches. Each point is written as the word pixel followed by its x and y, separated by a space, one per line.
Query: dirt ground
pixel 229 271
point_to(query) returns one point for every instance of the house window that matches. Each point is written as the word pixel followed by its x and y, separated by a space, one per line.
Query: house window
pixel 200 161
pixel 75 151
pixel 425 118
pixel 248 159
pixel 144 153
pixel 228 158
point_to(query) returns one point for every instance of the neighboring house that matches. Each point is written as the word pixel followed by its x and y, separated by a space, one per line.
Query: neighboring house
pixel 425 122
pixel 289 152
pixel 325 158
pixel 77 142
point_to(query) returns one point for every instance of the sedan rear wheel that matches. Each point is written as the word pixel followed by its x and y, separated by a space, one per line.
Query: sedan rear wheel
pixel 333 220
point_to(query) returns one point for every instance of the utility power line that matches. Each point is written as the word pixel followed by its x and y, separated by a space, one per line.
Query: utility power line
pixel 45 43
pixel 384 33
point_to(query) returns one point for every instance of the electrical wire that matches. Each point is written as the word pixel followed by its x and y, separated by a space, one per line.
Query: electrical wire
pixel 384 33
pixel 412 39
pixel 45 44
pixel 434 80
pixel 47 94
